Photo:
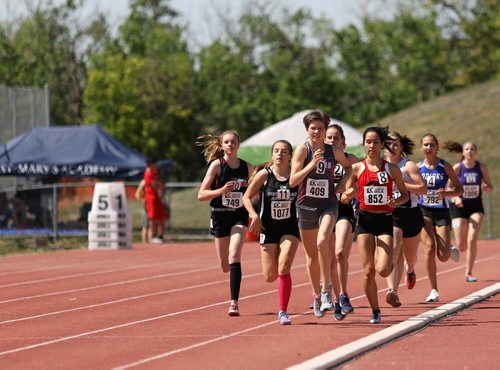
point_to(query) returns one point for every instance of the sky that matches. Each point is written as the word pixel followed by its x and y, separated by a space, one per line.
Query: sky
pixel 200 16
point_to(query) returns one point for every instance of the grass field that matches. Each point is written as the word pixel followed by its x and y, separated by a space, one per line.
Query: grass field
pixel 469 114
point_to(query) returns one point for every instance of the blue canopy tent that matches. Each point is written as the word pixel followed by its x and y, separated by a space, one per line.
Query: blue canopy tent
pixel 51 153
pixel 69 151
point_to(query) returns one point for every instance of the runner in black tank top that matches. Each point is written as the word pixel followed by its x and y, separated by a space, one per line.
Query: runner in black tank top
pixel 277 221
pixel 343 232
pixel 223 185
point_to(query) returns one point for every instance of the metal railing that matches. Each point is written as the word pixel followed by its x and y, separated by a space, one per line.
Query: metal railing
pixel 61 209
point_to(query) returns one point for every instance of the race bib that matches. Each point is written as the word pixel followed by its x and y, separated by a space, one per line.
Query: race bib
pixel 431 199
pixel 232 200
pixel 395 192
pixel 471 191
pixel 375 195
pixel 280 210
pixel 317 188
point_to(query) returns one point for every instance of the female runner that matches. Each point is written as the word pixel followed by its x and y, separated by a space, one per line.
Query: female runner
pixel 277 221
pixel 442 183
pixel 224 184
pixel 375 178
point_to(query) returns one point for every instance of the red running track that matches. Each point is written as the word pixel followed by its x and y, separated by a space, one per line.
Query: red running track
pixel 165 307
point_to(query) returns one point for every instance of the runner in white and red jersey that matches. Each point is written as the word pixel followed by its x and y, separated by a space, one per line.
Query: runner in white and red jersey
pixel 375 178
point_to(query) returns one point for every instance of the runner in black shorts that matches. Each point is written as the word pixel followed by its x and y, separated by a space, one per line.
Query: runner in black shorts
pixel 276 222
pixel 467 210
pixel 224 184
pixel 407 218
pixel 375 178
pixel 343 232
pixel 442 183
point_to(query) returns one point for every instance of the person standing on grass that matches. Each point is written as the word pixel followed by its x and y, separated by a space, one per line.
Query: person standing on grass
pixel 313 166
pixel 276 222
pixel 154 186
pixel 442 183
pixel 224 184
pixel 375 178
pixel 343 232
pixel 140 195
pixel 407 218
pixel 467 210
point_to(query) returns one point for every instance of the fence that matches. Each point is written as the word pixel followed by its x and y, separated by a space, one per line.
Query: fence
pixel 61 209
pixel 21 109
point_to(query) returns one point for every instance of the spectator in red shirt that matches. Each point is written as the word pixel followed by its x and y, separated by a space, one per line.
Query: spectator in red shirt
pixel 157 215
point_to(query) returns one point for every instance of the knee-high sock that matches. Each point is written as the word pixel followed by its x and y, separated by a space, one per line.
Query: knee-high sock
pixel 284 290
pixel 235 280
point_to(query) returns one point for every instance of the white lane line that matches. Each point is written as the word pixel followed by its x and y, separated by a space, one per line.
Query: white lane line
pixel 76 336
pixel 161 276
pixel 347 352
pixel 83 274
pixel 74 309
pixel 64 339
pixel 166 354
pixel 131 281
pixel 123 300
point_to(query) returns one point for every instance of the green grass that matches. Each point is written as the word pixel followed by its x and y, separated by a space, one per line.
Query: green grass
pixel 187 212
pixel 468 114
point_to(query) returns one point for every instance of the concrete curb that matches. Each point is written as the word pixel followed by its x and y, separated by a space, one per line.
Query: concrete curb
pixel 354 349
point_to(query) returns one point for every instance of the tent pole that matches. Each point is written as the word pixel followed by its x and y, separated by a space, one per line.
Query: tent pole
pixel 54 211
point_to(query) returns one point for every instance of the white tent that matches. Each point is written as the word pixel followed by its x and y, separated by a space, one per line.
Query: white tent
pixel 257 148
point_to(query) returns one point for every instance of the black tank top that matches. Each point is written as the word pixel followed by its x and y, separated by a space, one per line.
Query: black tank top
pixel 277 203
pixel 233 199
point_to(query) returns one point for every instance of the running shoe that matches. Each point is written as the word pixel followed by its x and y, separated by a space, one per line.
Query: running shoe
pixel 376 318
pixel 283 318
pixel 156 240
pixel 317 308
pixel 392 298
pixel 337 311
pixel 233 309
pixel 470 279
pixel 455 253
pixel 411 279
pixel 345 303
pixel 433 296
pixel 326 301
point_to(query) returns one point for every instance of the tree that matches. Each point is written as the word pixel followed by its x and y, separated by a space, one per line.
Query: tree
pixel 142 87
pixel 44 48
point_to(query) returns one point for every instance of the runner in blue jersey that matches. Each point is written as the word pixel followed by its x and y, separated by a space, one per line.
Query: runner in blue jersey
pixel 467 211
pixel 442 183
pixel 313 166
pixel 276 223
pixel 223 185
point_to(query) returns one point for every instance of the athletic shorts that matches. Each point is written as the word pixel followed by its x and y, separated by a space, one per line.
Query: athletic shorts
pixel 221 222
pixel 439 216
pixel 273 235
pixel 470 207
pixel 410 220
pixel 346 212
pixel 309 219
pixel 374 223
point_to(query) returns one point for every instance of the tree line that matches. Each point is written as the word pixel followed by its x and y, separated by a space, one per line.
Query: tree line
pixel 148 88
